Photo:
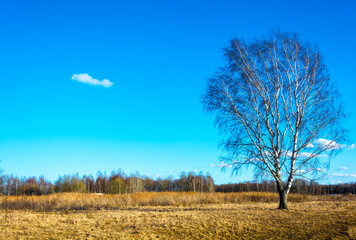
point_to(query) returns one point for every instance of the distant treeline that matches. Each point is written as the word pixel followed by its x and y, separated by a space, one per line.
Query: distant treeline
pixel 299 186
pixel 117 183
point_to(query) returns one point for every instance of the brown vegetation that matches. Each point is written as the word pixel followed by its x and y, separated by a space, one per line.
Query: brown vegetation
pixel 77 201
pixel 177 216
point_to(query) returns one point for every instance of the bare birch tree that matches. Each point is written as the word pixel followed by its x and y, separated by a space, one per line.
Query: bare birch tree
pixel 277 107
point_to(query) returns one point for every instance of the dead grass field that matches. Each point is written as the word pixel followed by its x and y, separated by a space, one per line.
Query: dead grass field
pixel 184 216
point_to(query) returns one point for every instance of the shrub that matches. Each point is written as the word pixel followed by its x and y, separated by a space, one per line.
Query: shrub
pixel 77 185
pixel 117 185
pixel 70 184
pixel 30 189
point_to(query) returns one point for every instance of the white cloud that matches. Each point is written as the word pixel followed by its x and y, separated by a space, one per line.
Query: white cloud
pixel 221 165
pixel 85 78
pixel 310 145
pixel 308 154
pixel 342 168
pixel 353 175
pixel 305 154
pixel 336 182
pixel 328 144
pixel 302 171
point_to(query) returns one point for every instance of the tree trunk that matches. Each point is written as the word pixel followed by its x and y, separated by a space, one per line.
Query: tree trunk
pixel 283 200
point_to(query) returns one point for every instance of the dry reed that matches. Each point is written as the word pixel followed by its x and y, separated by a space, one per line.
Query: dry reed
pixel 77 201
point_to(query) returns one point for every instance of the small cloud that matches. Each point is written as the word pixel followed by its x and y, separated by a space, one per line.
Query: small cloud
pixel 305 154
pixel 302 171
pixel 85 78
pixel 328 144
pixel 310 145
pixel 308 154
pixel 342 168
pixel 221 165
pixel 353 175
pixel 336 182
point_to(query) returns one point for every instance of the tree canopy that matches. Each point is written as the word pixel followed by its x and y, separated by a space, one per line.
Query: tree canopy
pixel 277 107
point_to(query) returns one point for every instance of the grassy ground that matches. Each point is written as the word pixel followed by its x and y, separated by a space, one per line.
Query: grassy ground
pixel 308 218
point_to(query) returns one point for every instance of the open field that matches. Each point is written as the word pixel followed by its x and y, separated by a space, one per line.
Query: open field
pixel 177 216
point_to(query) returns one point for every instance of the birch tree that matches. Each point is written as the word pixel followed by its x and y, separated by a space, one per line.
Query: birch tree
pixel 277 108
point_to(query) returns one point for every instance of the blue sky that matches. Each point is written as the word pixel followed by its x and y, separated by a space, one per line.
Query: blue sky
pixel 158 55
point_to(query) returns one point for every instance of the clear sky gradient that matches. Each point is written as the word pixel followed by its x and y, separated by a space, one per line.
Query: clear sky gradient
pixel 158 56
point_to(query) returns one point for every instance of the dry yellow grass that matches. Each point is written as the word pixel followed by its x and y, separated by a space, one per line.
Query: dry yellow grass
pixel 352 232
pixel 77 201
pixel 146 217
